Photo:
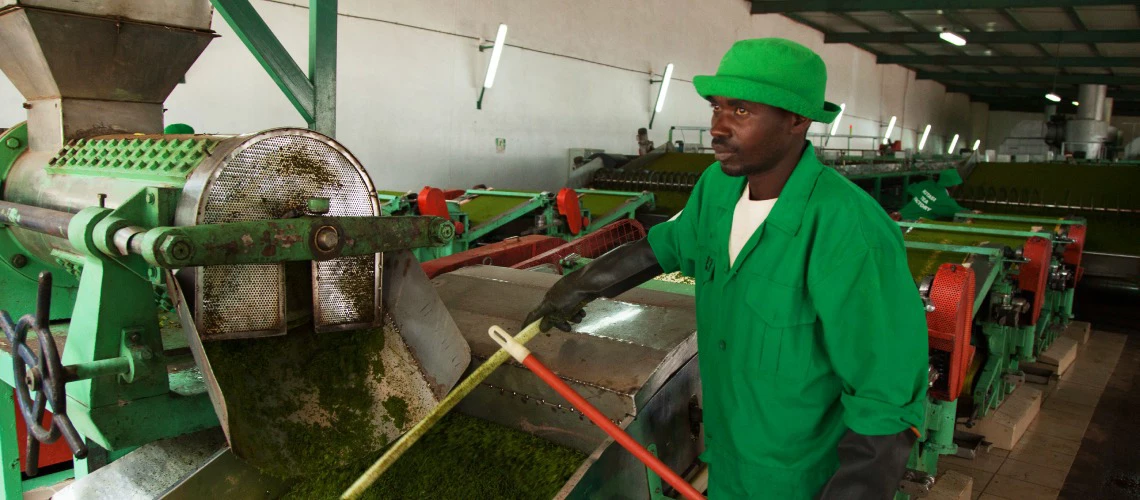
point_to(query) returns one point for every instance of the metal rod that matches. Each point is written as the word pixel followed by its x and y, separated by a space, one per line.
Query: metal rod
pixel 40 220
pixel 113 366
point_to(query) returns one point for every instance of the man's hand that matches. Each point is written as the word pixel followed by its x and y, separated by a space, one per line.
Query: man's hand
pixel 607 276
pixel 561 306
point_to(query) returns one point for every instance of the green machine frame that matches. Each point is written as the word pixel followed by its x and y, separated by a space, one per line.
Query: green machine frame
pixel 1057 308
pixel 484 212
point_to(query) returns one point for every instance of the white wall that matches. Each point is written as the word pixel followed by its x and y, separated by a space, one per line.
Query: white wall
pixel 574 74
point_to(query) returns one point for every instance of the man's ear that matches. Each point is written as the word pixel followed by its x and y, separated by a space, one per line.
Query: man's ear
pixel 800 124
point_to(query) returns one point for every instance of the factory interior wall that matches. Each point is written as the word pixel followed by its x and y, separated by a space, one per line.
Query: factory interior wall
pixel 1001 124
pixel 1129 126
pixel 573 75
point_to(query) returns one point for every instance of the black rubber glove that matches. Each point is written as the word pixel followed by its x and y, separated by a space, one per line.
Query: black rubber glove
pixel 870 467
pixel 607 276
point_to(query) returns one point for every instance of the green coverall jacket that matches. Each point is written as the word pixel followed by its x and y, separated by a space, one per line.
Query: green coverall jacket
pixel 816 329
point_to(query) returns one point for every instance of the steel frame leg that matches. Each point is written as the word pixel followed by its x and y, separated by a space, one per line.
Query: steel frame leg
pixel 9 448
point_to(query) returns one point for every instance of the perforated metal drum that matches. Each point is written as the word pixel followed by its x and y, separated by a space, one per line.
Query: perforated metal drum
pixel 274 174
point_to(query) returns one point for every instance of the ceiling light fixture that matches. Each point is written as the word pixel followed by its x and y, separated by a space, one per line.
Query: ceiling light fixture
pixel 922 142
pixel 835 124
pixel 953 142
pixel 664 81
pixel 1075 103
pixel 493 65
pixel 1053 97
pixel 952 38
pixel 977 143
pixel 890 128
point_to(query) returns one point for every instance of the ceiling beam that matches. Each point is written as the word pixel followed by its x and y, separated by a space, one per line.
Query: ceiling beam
pixel 1075 17
pixel 870 29
pixel 1069 94
pixel 1009 16
pixel 992 37
pixel 1070 79
pixel 1038 106
pixel 804 21
pixel 833 6
pixel 1013 61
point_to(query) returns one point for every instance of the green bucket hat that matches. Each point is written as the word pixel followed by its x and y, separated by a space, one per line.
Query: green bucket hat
pixel 772 71
pixel 949 178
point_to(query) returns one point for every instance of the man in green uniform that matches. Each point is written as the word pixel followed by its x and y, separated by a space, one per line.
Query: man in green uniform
pixel 932 199
pixel 811 333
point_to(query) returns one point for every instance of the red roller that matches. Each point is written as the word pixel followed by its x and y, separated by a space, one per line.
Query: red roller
pixel 432 201
pixel 569 208
pixel 524 356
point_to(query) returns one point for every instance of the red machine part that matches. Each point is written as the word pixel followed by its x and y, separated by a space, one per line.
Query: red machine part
pixel 1034 274
pixel 949 325
pixel 433 201
pixel 50 454
pixel 569 208
pixel 1075 250
pixel 591 246
pixel 503 254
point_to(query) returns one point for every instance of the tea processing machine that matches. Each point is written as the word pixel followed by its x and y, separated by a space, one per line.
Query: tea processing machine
pixel 1101 195
pixel 275 237
pixel 671 175
pixel 483 216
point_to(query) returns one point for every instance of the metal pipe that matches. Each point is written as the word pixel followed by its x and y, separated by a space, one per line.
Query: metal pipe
pixel 1091 98
pixel 40 220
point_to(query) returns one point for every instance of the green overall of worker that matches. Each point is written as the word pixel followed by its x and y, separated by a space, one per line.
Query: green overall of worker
pixel 811 334
pixel 932 199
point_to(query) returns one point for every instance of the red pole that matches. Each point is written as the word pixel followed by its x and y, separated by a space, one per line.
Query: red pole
pixel 614 431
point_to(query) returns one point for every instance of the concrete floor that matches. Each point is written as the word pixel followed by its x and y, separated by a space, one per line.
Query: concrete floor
pixel 1045 464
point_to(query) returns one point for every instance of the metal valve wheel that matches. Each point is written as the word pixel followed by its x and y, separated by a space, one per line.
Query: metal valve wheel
pixel 43 374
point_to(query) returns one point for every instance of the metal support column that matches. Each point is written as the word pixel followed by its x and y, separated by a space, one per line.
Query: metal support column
pixel 322 64
pixel 314 96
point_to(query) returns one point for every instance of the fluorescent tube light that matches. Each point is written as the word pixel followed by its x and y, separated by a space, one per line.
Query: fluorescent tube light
pixel 890 128
pixel 496 53
pixel 952 38
pixel 664 87
pixel 976 144
pixel 1053 97
pixel 1075 103
pixel 953 142
pixel 835 124
pixel 922 142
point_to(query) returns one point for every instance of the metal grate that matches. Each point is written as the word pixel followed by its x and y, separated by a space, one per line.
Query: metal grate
pixel 591 246
pixel 273 178
pixel 949 327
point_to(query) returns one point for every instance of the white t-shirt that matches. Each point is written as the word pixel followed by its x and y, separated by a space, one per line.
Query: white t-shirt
pixel 746 219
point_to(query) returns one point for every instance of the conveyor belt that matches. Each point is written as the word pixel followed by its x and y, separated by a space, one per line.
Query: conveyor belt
pixel 962 239
pixel 600 204
pixel 923 263
pixel 486 207
pixel 1103 194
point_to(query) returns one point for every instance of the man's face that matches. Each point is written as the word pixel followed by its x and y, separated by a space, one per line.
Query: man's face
pixel 750 137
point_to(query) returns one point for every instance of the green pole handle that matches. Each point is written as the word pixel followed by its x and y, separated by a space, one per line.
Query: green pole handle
pixel 409 438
